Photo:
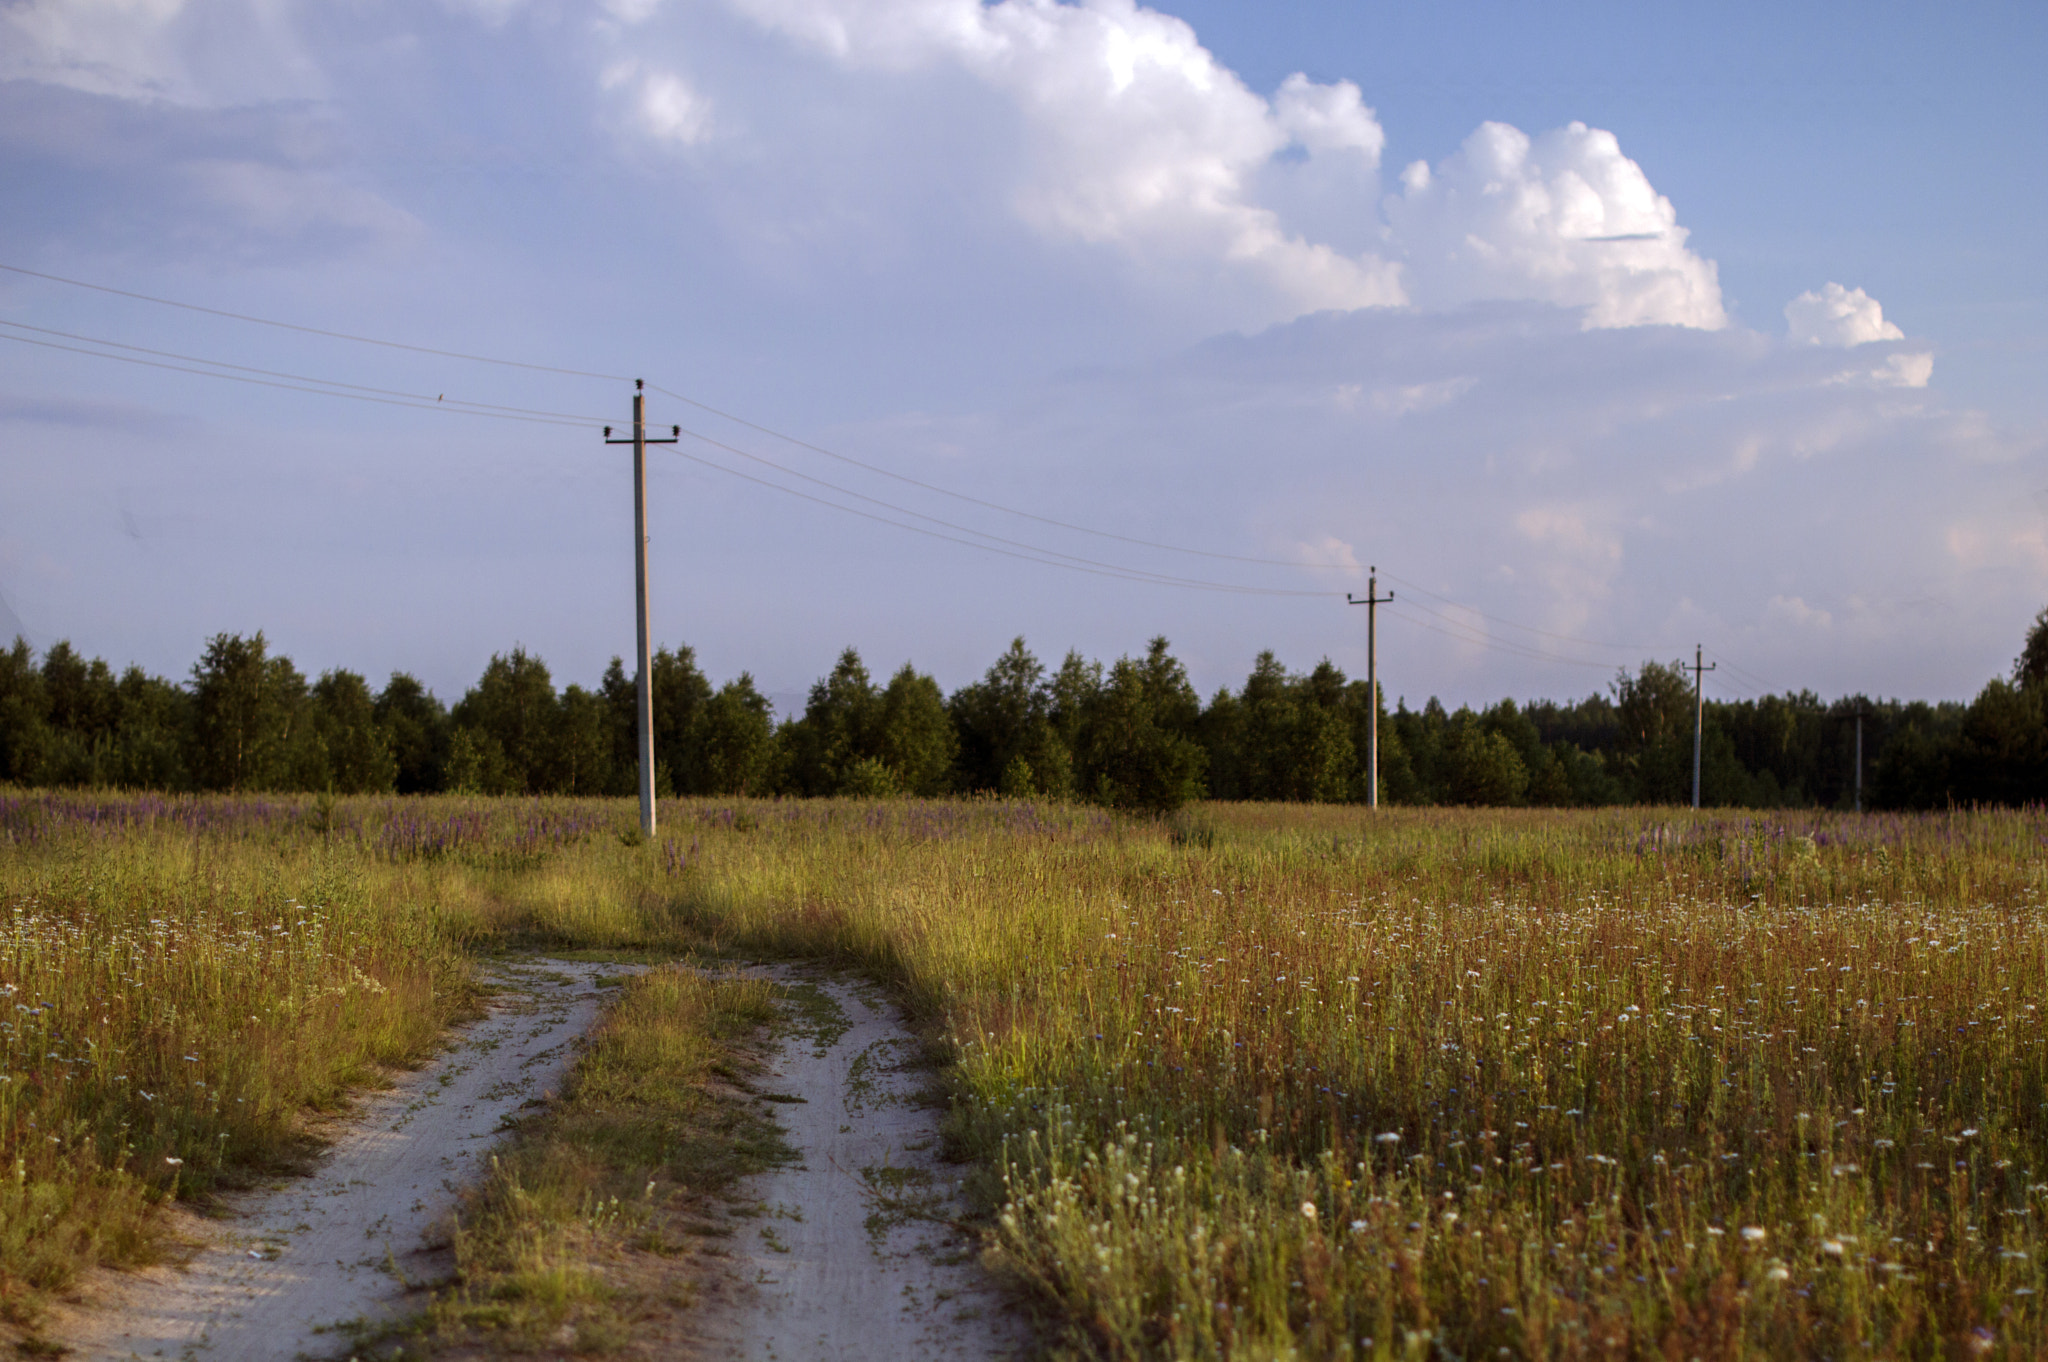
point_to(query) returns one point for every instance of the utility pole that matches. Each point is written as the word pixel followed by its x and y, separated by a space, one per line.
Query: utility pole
pixel 1699 716
pixel 645 683
pixel 1372 603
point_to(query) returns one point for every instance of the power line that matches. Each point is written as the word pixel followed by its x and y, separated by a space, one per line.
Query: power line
pixel 1526 628
pixel 422 405
pixel 1478 634
pixel 1162 577
pixel 390 397
pixel 1763 685
pixel 993 505
pixel 441 399
pixel 310 330
pixel 1498 645
pixel 1128 575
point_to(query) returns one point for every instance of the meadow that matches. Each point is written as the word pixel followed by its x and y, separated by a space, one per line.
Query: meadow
pixel 1256 1081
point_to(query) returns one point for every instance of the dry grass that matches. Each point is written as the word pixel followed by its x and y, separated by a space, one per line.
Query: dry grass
pixel 583 1235
pixel 1303 1081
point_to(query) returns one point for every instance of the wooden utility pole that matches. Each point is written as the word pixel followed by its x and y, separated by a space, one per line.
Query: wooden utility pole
pixel 645 683
pixel 1699 716
pixel 1372 603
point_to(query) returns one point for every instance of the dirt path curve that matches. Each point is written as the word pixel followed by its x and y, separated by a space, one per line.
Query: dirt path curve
pixel 848 1256
pixel 319 1251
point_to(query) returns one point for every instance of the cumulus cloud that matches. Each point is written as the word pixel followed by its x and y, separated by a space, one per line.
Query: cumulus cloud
pixel 1838 316
pixel 1137 136
pixel 1140 137
pixel 1562 218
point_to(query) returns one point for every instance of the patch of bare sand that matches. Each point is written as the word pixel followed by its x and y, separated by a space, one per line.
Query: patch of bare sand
pixel 286 1265
pixel 849 1256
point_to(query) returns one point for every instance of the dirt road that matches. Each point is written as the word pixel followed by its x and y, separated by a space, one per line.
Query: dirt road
pixel 850 1258
pixel 288 1264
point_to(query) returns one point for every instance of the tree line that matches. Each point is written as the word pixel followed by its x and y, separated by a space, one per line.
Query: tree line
pixel 1130 734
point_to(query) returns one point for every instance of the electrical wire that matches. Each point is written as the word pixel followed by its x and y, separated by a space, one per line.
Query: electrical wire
pixel 310 330
pixel 1498 645
pixel 289 387
pixel 1461 624
pixel 1121 574
pixel 1162 577
pixel 390 397
pixel 441 399
pixel 993 505
pixel 1510 624
pixel 1763 686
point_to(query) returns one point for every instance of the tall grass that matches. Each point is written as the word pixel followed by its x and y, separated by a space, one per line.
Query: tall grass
pixel 1452 1083
pixel 1320 1082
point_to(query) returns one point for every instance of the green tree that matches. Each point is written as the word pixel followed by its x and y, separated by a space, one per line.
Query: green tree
pixel 1137 735
pixel 680 694
pixel 1655 711
pixel 417 727
pixel 84 718
pixel 736 740
pixel 2030 668
pixel 513 704
pixel 915 737
pixel 1003 724
pixel 356 747
pixel 2000 754
pixel 155 715
pixel 1484 767
pixel 24 716
pixel 581 763
pixel 248 729
pixel 839 728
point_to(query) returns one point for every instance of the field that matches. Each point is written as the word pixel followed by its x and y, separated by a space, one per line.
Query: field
pixel 1262 1081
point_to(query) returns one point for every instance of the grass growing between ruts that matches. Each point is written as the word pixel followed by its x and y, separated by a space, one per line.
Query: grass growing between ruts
pixel 1319 1083
pixel 570 1241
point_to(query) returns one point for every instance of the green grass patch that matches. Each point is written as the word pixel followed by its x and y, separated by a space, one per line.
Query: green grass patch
pixel 586 1221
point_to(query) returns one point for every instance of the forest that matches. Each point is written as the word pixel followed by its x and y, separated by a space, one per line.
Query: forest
pixel 1129 734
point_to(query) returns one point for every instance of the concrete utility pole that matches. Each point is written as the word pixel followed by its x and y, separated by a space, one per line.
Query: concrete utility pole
pixel 1699 716
pixel 1372 603
pixel 645 683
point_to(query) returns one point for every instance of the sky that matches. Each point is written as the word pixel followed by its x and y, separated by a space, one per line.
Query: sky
pixel 1604 331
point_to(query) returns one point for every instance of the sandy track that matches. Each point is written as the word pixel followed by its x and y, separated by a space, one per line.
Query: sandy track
pixel 318 1251
pixel 849 1258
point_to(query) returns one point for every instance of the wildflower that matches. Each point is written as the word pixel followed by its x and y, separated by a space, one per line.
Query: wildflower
pixel 1753 1233
pixel 1778 1273
pixel 1390 1137
pixel 1308 1210
pixel 172 1162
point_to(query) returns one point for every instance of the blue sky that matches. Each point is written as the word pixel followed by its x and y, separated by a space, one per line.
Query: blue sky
pixel 1603 330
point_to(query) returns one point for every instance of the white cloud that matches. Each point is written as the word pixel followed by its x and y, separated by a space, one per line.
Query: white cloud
pixel 661 104
pixel 208 55
pixel 1839 316
pixel 1795 612
pixel 273 203
pixel 1328 118
pixel 1136 136
pixel 1584 481
pixel 1562 218
pixel 670 110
